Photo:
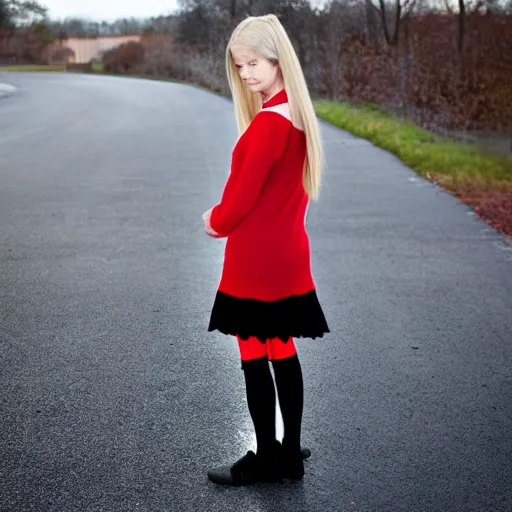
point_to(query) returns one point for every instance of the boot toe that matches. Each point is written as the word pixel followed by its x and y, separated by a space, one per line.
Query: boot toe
pixel 222 476
pixel 305 452
pixel 249 469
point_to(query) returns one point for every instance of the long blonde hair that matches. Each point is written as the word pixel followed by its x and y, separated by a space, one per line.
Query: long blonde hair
pixel 267 36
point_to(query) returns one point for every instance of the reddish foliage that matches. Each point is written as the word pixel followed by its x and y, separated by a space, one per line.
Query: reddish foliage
pixel 496 209
pixel 125 58
pixel 24 46
pixel 438 85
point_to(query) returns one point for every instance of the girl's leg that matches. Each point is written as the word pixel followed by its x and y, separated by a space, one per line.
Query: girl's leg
pixel 260 390
pixel 261 399
pixel 272 461
pixel 290 390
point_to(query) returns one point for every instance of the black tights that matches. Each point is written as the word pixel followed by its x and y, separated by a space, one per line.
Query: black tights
pixel 261 399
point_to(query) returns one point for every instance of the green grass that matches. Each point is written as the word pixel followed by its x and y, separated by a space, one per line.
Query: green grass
pixel 462 169
pixel 97 67
pixel 32 68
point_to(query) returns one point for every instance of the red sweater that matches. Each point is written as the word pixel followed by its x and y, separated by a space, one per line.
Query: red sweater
pixel 262 212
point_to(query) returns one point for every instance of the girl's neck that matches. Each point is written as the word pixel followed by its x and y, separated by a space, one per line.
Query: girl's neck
pixel 276 89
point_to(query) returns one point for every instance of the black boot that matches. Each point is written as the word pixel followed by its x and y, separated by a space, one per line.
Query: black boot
pixel 305 453
pixel 290 389
pixel 251 468
pixel 265 466
pixel 293 463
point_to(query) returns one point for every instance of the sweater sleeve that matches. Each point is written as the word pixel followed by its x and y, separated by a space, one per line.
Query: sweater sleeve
pixel 267 136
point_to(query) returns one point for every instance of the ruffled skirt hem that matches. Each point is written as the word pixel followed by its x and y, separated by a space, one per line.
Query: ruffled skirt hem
pixel 297 316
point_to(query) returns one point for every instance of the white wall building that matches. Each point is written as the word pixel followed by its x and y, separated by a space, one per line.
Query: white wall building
pixel 88 48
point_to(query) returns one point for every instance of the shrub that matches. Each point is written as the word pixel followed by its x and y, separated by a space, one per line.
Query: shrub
pixel 125 58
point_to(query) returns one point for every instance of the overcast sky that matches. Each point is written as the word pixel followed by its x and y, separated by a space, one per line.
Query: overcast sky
pixel 108 9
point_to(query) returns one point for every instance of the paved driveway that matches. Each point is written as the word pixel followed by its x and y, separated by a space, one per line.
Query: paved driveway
pixel 113 396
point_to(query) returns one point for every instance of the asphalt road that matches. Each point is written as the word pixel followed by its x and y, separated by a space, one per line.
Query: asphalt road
pixel 113 395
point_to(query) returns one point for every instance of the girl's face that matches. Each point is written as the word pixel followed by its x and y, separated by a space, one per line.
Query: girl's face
pixel 259 74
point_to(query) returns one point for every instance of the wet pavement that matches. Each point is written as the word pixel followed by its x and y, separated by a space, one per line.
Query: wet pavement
pixel 114 397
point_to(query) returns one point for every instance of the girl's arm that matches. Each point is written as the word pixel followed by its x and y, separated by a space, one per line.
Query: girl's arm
pixel 267 136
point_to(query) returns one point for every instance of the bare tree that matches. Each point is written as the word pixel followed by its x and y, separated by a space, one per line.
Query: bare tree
pixel 404 56
pixel 338 24
pixel 372 23
pixel 462 26
pixel 391 14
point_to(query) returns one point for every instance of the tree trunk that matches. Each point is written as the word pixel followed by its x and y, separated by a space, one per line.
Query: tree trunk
pixel 462 26
pixel 404 63
pixel 371 26
pixel 398 14
pixel 384 21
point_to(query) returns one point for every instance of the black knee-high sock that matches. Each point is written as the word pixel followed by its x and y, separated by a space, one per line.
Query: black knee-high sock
pixel 290 390
pixel 261 399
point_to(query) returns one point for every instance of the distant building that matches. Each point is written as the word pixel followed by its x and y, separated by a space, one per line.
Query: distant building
pixel 87 48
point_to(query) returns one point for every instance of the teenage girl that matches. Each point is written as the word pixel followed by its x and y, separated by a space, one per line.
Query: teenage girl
pixel 267 295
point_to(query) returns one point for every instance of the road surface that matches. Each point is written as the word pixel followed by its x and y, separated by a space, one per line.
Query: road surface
pixel 113 395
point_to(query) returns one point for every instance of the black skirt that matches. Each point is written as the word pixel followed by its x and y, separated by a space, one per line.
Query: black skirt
pixel 298 316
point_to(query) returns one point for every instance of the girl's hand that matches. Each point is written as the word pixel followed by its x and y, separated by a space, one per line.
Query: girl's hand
pixel 207 227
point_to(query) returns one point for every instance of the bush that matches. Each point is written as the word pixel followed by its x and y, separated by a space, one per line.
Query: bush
pixel 165 58
pixel 433 84
pixel 125 58
pixel 58 54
